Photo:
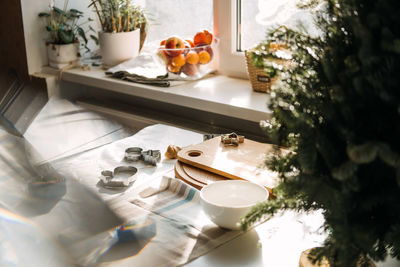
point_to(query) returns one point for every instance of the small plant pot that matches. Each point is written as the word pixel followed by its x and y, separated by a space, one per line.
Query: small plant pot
pixel 62 55
pixel 119 47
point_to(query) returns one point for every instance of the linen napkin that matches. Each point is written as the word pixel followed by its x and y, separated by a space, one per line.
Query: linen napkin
pixel 147 69
pixel 142 69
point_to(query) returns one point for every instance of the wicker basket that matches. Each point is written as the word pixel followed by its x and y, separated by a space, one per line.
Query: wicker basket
pixel 260 81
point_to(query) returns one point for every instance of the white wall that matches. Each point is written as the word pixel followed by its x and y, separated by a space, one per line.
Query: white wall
pixel 35 33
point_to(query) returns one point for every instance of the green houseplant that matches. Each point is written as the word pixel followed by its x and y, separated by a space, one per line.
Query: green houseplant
pixel 337 110
pixel 65 35
pixel 124 28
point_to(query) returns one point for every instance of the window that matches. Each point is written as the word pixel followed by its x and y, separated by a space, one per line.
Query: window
pixel 241 24
pixel 177 17
pixel 230 61
pixel 256 17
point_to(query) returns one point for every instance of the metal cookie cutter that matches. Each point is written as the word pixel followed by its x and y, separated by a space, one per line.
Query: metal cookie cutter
pixel 136 154
pixel 151 156
pixel 232 139
pixel 133 153
pixel 121 177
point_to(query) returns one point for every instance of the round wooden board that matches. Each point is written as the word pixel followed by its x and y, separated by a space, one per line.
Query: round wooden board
pixel 202 176
pixel 181 174
pixel 198 178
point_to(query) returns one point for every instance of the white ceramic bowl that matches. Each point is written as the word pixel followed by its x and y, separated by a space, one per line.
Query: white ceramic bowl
pixel 226 202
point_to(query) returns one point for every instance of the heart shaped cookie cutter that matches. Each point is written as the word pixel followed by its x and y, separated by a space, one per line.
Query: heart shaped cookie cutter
pixel 122 176
pixel 148 156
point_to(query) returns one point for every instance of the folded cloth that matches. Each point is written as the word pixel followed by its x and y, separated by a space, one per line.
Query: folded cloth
pixel 146 69
pixel 141 69
pixel 124 75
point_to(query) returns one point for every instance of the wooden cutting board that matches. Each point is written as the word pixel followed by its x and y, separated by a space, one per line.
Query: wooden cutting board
pixel 180 173
pixel 245 161
pixel 200 175
pixel 194 176
pixel 198 178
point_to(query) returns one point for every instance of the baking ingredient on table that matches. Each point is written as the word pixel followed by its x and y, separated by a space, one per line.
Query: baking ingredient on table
pixel 172 151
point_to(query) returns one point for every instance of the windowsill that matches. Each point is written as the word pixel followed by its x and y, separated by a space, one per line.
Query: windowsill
pixel 218 94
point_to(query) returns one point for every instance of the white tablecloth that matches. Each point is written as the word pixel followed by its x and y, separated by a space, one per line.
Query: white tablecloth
pixel 182 233
pixel 80 224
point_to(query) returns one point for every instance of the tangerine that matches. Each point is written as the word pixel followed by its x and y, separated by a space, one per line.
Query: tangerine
pixel 179 61
pixel 173 69
pixel 204 57
pixel 192 57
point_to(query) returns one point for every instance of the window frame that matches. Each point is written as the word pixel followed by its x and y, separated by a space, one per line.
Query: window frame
pixel 230 62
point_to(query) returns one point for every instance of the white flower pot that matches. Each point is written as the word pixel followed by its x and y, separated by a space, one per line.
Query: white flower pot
pixel 119 47
pixel 62 55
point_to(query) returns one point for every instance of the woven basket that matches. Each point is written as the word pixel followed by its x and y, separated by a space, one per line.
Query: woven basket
pixel 260 81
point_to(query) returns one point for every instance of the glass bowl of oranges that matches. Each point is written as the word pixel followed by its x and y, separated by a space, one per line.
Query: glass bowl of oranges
pixel 189 58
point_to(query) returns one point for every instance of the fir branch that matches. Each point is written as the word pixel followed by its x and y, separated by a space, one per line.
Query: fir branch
pixel 337 110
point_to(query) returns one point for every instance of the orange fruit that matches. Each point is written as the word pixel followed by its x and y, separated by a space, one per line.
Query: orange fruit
pixel 192 57
pixel 179 60
pixel 203 46
pixel 204 57
pixel 173 69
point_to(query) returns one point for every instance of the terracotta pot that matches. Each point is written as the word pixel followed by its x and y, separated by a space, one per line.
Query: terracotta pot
pixel 62 55
pixel 119 47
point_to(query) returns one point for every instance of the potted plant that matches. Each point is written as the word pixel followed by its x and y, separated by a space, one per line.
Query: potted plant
pixel 123 29
pixel 63 46
pixel 265 60
pixel 337 110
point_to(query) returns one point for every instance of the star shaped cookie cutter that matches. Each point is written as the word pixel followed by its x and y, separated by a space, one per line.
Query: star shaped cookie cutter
pixel 122 176
pixel 151 156
pixel 232 139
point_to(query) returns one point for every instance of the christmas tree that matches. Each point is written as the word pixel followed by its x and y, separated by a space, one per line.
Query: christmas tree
pixel 337 109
